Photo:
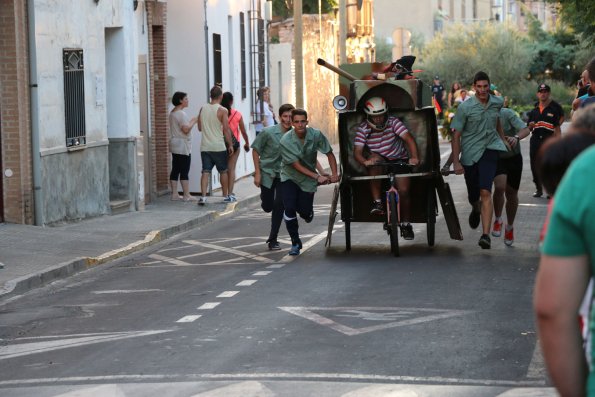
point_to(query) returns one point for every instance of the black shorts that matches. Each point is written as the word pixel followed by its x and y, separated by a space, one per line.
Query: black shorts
pixel 512 167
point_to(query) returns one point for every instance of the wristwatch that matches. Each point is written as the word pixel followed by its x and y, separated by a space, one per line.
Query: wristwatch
pixel 518 138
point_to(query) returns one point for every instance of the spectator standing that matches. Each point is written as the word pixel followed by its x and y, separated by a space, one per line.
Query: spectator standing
pixel 544 122
pixel 453 94
pixel 438 94
pixel 265 116
pixel 478 137
pixel 180 145
pixel 237 127
pixel 213 121
pixel 299 179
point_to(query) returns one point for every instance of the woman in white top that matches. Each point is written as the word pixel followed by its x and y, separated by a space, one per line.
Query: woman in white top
pixel 264 110
pixel 180 144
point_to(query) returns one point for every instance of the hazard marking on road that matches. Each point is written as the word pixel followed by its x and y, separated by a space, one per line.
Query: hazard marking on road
pixel 44 344
pixel 237 248
pixel 391 317
pixel 319 209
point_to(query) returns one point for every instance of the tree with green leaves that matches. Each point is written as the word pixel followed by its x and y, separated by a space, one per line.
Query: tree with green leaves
pixel 284 8
pixel 580 15
pixel 462 50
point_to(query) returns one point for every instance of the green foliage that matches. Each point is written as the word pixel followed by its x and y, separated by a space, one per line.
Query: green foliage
pixel 284 8
pixel 580 15
pixel 555 53
pixel 525 94
pixel 462 50
pixel 384 50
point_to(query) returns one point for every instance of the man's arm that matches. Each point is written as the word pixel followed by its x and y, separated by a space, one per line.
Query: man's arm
pixel 412 147
pixel 332 162
pixel 199 121
pixel 186 128
pixel 513 140
pixel 256 159
pixel 501 133
pixel 559 288
pixel 223 118
pixel 455 144
pixel 320 179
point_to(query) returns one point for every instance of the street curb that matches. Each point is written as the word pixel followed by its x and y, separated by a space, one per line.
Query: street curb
pixel 31 281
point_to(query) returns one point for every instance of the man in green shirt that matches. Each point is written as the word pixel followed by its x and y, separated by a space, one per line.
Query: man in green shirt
pixel 478 137
pixel 299 179
pixel 508 174
pixel 266 154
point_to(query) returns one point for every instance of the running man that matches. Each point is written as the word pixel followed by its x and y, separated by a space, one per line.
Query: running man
pixel 478 137
pixel 508 174
pixel 266 153
pixel 299 179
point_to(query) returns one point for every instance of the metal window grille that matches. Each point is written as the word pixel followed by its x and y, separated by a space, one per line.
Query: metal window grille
pixel 74 96
pixel 243 54
pixel 217 63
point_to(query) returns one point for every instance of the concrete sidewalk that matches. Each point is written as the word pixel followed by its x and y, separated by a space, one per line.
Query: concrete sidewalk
pixel 33 256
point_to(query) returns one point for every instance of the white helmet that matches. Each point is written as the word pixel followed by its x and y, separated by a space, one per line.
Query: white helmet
pixel 376 106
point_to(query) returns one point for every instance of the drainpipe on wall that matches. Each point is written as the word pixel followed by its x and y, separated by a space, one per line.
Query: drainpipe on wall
pixel 207 53
pixel 210 188
pixel 34 114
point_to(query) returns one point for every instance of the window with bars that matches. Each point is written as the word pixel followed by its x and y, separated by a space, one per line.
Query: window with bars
pixel 74 96
pixel 217 62
pixel 243 54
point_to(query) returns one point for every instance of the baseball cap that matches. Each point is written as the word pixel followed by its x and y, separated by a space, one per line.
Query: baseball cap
pixel 543 87
pixel 436 77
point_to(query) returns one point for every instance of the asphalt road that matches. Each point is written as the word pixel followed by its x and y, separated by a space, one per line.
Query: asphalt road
pixel 214 313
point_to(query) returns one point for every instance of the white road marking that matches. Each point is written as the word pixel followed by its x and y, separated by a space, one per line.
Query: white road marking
pixel 262 273
pixel 536 369
pixel 277 266
pixel 208 305
pixel 246 283
pixel 24 349
pixel 436 380
pixel 373 314
pixel 167 259
pixel 125 291
pixel 227 294
pixel 230 251
pixel 189 318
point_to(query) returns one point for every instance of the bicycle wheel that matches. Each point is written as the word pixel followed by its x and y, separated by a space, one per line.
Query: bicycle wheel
pixel 393 223
pixel 431 216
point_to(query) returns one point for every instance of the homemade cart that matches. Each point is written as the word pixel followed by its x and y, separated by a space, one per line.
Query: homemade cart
pixel 410 101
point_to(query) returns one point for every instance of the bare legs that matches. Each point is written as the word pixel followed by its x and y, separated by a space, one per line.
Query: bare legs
pixel 231 170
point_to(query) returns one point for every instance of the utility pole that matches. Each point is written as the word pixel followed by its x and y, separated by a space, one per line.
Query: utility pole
pixel 298 54
pixel 342 32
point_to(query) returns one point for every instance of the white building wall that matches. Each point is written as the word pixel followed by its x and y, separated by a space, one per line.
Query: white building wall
pixel 189 62
pixel 81 24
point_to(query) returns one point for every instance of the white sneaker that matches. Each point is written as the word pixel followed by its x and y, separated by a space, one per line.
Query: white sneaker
pixel 202 200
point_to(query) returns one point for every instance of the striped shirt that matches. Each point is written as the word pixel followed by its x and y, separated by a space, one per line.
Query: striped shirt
pixel 387 143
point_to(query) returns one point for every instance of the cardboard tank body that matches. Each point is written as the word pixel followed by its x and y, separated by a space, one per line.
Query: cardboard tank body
pixel 411 101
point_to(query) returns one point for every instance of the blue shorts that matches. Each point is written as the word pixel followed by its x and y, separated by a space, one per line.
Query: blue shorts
pixel 480 176
pixel 214 159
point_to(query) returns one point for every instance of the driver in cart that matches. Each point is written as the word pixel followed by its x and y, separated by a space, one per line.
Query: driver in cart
pixel 387 140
